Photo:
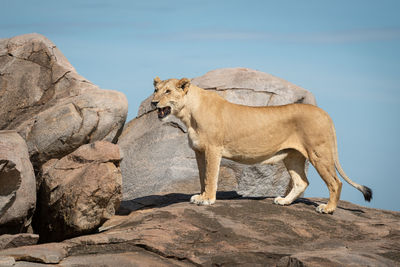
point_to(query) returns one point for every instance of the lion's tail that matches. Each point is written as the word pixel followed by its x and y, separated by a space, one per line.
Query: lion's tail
pixel 367 192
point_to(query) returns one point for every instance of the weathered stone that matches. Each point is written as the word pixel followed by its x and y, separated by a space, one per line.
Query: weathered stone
pixel 251 87
pixel 157 158
pixel 44 253
pixel 78 192
pixel 239 231
pixel 52 107
pixel 31 264
pixel 18 240
pixel 17 184
pixel 139 258
pixel 337 257
pixel 7 261
pixel 235 231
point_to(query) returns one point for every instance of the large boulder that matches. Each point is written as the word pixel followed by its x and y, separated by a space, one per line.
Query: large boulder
pixel 17 184
pixel 157 158
pixel 49 104
pixel 79 191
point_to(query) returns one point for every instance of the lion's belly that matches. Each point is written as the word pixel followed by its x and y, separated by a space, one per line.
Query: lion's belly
pixel 254 156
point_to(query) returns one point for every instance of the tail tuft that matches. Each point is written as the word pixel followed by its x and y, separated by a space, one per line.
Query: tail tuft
pixel 367 192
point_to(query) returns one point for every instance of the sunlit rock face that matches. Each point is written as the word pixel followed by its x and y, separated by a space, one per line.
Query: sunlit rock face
pixel 49 104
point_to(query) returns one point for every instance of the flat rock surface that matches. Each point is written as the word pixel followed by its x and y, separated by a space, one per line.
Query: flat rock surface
pixel 167 230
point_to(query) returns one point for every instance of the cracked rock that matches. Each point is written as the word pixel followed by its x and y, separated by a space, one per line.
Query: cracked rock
pixel 78 192
pixel 17 184
pixel 45 253
pixel 234 231
pixel 17 240
pixel 49 104
pixel 157 158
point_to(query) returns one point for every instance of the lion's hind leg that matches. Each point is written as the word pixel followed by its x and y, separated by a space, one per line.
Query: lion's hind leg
pixel 326 169
pixel 295 164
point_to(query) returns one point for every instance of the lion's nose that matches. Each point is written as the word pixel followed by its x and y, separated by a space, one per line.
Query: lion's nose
pixel 154 104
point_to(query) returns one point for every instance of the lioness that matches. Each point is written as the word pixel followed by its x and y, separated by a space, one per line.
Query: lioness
pixel 218 128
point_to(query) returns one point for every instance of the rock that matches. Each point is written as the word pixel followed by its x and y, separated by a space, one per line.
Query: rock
pixel 31 264
pixel 236 231
pixel 129 259
pixel 50 105
pixel 157 158
pixel 18 240
pixel 250 87
pixel 17 184
pixel 45 253
pixel 78 192
pixel 334 257
pixel 7 261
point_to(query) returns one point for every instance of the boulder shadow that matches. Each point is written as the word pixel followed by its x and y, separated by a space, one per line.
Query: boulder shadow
pixel 151 201
pixel 310 202
pixel 158 201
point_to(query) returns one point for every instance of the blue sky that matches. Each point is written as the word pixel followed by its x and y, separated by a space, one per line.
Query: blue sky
pixel 347 53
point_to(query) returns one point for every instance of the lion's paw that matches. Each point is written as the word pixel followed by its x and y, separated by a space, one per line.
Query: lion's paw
pixel 323 209
pixel 201 200
pixel 281 201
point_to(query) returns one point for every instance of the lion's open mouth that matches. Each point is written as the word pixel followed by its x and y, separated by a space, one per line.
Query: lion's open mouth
pixel 163 112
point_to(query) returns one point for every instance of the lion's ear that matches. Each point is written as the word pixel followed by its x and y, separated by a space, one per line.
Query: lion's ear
pixel 184 84
pixel 156 81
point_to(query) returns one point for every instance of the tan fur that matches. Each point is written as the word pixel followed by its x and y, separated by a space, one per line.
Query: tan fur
pixel 218 128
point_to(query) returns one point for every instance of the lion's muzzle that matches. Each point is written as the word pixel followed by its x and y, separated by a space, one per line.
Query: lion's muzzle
pixel 163 112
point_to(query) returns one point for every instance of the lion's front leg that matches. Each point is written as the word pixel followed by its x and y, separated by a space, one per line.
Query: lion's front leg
pixel 212 160
pixel 201 165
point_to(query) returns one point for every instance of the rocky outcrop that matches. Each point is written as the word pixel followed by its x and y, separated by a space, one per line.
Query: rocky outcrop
pixel 57 111
pixel 17 184
pixel 169 231
pixel 157 158
pixel 49 104
pixel 78 192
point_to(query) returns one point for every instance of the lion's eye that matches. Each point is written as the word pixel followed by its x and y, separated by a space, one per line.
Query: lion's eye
pixel 168 91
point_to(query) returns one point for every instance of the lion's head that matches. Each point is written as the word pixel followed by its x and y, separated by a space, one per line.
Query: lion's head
pixel 169 96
